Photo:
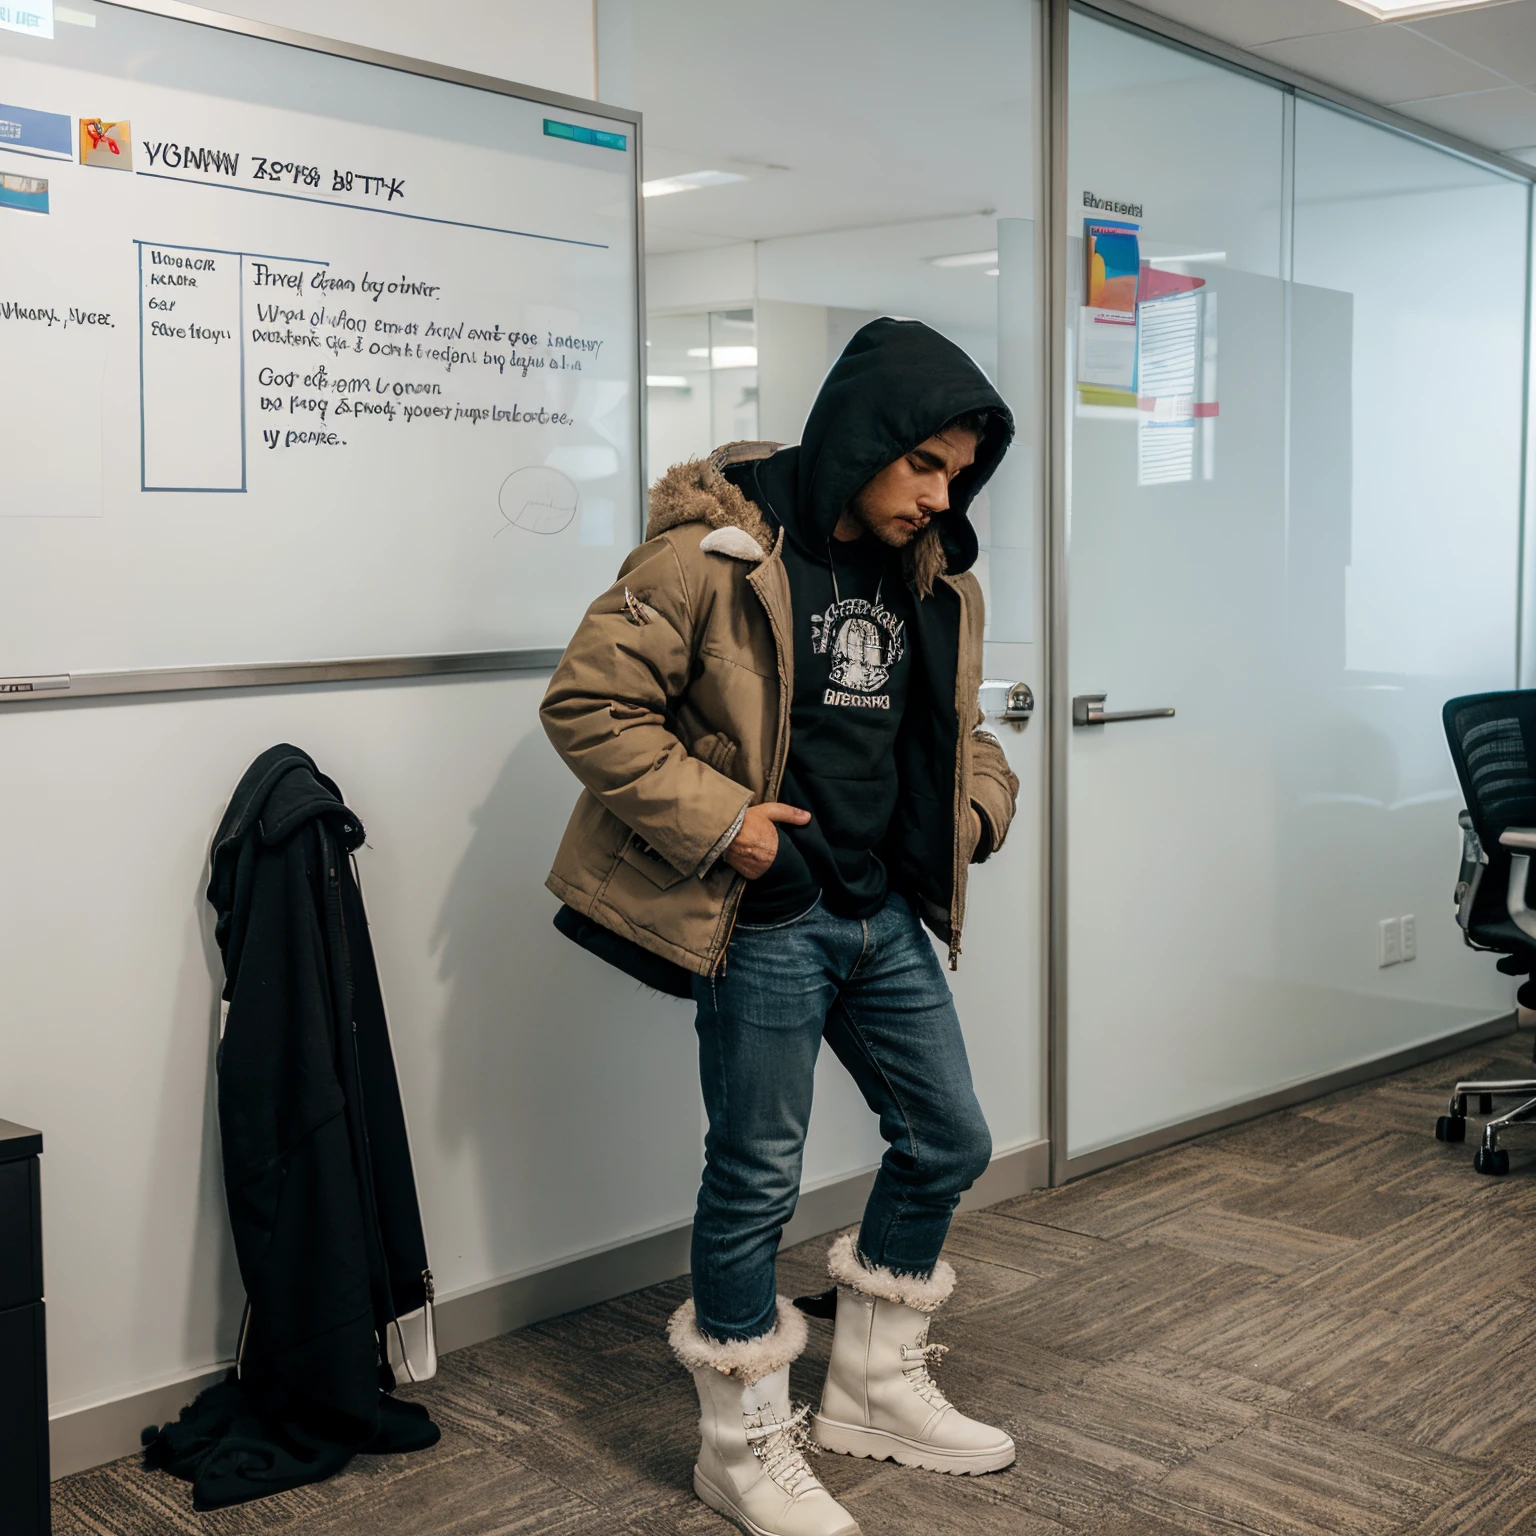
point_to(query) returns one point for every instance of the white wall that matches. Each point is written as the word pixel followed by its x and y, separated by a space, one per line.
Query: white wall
pixel 552 1109
pixel 552 46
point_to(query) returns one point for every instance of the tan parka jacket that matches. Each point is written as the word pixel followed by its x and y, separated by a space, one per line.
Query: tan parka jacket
pixel 671 706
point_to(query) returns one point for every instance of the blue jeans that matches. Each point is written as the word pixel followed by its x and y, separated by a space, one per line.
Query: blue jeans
pixel 877 993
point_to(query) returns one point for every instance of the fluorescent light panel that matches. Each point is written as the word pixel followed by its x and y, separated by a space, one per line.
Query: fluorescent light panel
pixel 691 181
pixel 1402 10
pixel 666 381
pixel 966 259
pixel 727 357
pixel 1158 261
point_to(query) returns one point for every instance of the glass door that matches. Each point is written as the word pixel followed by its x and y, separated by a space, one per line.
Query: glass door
pixel 1233 852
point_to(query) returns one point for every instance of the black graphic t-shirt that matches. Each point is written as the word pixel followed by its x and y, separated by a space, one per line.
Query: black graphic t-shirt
pixel 853 666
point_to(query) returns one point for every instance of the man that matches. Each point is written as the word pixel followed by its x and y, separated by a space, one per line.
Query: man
pixel 773 713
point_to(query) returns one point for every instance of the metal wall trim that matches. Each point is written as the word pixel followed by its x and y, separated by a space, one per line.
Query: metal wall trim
pixel 1527 468
pixel 1134 18
pixel 61 687
pixel 1056 19
pixel 1292 1093
pixel 64 687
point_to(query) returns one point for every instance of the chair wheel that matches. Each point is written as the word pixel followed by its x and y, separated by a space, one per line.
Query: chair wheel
pixel 1485 1103
pixel 1495 1162
pixel 1451 1128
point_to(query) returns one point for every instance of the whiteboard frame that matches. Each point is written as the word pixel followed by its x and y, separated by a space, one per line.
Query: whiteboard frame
pixel 129 683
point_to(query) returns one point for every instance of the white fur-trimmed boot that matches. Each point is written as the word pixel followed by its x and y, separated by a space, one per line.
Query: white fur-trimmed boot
pixel 751 1465
pixel 879 1400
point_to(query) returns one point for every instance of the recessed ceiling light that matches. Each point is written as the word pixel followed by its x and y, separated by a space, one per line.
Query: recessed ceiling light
pixel 991 272
pixel 966 259
pixel 666 381
pixel 665 186
pixel 1401 10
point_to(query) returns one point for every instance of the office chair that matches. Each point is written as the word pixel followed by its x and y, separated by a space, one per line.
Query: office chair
pixel 1492 738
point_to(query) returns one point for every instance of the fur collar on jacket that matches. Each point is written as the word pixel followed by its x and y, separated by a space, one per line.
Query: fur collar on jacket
pixel 696 492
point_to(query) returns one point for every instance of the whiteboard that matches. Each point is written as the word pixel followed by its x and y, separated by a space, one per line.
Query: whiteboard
pixel 308 353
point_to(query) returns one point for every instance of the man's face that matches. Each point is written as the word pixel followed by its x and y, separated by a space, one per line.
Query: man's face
pixel 907 495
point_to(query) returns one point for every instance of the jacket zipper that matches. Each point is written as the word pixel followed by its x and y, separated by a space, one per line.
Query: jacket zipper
pixel 781 753
pixel 957 869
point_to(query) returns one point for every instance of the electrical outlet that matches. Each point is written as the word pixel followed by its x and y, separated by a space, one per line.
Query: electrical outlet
pixel 1410 944
pixel 1390 941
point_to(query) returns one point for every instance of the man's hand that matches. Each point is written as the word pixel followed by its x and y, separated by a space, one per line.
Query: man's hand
pixel 754 848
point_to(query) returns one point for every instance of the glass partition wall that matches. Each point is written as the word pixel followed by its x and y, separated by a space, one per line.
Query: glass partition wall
pixel 1298 528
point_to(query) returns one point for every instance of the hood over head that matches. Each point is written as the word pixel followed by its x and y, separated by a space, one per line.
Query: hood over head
pixel 895 385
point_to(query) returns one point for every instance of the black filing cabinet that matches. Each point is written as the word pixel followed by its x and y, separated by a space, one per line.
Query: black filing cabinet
pixel 23 1364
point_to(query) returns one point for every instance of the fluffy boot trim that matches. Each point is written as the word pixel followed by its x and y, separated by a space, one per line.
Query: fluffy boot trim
pixel 846 1267
pixel 748 1359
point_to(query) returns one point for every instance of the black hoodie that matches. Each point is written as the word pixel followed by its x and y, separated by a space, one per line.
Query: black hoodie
pixel 317 1165
pixel 874 664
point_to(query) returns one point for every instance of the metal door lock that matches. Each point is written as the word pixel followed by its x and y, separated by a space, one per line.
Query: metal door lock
pixel 1013 702
pixel 1088 709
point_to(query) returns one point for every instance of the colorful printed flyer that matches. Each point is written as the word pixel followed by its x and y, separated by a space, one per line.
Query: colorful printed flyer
pixel 28 193
pixel 1106 332
pixel 106 145
pixel 1113 249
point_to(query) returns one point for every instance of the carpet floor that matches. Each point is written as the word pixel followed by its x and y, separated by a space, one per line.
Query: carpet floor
pixel 1319 1323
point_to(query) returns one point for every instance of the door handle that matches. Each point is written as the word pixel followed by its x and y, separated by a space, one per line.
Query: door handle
pixel 1088 709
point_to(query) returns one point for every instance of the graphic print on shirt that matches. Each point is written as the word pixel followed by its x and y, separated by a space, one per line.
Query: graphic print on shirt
pixel 865 640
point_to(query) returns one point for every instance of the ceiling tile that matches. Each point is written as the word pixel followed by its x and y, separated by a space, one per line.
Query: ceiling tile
pixel 1503 37
pixel 1247 22
pixel 1382 63
pixel 1502 119
pixel 1527 155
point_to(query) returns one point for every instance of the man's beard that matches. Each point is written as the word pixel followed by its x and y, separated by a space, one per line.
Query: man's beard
pixel 894 534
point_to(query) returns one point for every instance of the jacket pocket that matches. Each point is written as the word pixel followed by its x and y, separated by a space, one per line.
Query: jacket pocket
pixel 639 854
pixel 718 750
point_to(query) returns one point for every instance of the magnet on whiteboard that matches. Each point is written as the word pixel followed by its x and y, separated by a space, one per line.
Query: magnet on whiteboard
pixel 538 499
pixel 106 145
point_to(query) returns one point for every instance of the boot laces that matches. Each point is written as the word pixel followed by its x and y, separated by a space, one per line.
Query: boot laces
pixel 781 1447
pixel 921 1356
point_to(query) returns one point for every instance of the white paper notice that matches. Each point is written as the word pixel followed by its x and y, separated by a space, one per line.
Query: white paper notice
pixel 1106 348
pixel 33 16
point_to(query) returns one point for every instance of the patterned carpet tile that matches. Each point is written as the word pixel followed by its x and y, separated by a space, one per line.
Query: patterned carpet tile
pixel 1288 1477
pixel 1130 1298
pixel 1272 1246
pixel 1356 1196
pixel 999 1236
pixel 1287 1141
pixel 1121 1200
pixel 1502 1504
pixel 628 1457
pixel 1320 1323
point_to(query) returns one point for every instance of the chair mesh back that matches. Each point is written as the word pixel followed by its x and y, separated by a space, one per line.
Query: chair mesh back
pixel 1489 736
